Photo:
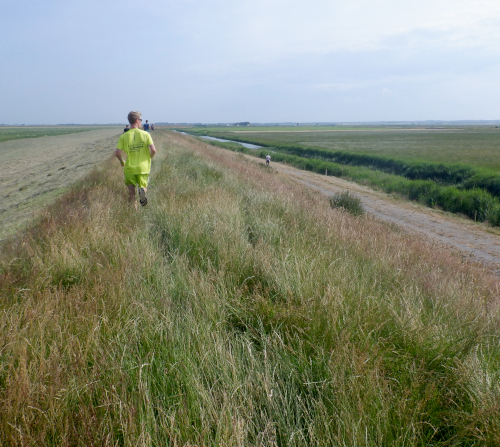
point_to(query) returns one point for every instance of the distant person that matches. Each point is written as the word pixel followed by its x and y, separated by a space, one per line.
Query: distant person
pixel 126 129
pixel 146 126
pixel 152 127
pixel 139 149
pixel 268 159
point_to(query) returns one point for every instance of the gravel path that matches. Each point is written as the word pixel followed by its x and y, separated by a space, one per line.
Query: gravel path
pixel 470 239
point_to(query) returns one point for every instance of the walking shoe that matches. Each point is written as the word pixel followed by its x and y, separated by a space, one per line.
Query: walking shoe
pixel 142 197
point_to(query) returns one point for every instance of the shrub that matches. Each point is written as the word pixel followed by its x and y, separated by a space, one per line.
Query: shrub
pixel 348 202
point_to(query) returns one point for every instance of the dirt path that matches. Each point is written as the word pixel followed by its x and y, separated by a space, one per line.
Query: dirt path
pixel 473 240
pixel 38 170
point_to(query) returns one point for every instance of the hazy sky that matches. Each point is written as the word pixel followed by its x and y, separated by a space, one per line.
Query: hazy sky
pixel 248 60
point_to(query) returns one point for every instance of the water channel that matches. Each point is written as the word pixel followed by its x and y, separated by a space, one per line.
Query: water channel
pixel 247 145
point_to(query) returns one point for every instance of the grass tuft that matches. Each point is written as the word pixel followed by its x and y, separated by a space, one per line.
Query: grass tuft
pixel 348 202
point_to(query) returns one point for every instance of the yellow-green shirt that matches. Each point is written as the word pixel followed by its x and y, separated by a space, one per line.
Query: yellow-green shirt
pixel 136 144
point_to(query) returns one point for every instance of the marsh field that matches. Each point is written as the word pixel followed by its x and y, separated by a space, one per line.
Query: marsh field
pixel 238 308
pixel 475 145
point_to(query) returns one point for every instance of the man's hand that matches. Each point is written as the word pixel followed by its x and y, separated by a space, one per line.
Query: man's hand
pixel 119 154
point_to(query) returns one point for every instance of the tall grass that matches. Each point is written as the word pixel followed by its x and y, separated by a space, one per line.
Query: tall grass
pixel 238 309
pixel 473 202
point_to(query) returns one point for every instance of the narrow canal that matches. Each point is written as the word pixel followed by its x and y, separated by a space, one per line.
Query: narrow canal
pixel 247 145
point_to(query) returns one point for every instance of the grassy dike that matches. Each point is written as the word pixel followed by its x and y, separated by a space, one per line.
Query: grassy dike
pixel 236 310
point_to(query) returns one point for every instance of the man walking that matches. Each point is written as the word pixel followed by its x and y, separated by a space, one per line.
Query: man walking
pixel 146 126
pixel 139 149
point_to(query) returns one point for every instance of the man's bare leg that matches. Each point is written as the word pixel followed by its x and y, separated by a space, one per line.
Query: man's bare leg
pixel 131 195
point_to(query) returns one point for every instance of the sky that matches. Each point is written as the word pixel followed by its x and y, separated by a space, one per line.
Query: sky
pixel 249 60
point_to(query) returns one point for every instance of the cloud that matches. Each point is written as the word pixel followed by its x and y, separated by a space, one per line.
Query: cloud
pixel 281 28
pixel 210 60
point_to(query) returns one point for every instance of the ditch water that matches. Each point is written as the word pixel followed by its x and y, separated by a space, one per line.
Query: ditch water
pixel 247 145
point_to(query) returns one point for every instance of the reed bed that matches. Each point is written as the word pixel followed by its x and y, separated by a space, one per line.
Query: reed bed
pixel 238 309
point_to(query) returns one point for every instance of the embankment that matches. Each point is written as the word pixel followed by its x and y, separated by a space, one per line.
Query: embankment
pixel 238 308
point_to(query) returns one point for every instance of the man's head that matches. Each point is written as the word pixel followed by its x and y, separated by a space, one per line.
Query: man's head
pixel 133 117
pixel 146 121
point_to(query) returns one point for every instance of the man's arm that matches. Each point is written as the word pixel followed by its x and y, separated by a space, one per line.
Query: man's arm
pixel 119 154
pixel 152 150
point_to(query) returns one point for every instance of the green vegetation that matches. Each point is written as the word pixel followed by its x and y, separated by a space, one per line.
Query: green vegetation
pixel 347 202
pixel 255 129
pixel 464 189
pixel 238 310
pixel 17 133
pixel 475 146
pixel 474 203
pixel 462 176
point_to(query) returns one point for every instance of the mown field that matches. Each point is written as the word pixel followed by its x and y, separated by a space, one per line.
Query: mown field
pixel 476 146
pixel 18 133
pixel 238 309
pixel 39 169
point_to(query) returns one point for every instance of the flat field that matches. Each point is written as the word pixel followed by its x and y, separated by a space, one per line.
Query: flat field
pixel 39 169
pixel 473 145
pixel 21 132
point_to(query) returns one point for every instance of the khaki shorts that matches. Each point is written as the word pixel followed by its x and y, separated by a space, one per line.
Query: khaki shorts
pixel 140 180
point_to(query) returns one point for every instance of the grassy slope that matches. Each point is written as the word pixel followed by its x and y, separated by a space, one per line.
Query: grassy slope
pixel 38 172
pixel 238 310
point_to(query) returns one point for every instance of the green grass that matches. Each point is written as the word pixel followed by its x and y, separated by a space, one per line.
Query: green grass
pixel 464 198
pixel 238 310
pixel 254 129
pixel 476 146
pixel 459 188
pixel 17 133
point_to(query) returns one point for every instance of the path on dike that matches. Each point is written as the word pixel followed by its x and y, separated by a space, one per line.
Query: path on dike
pixel 473 240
